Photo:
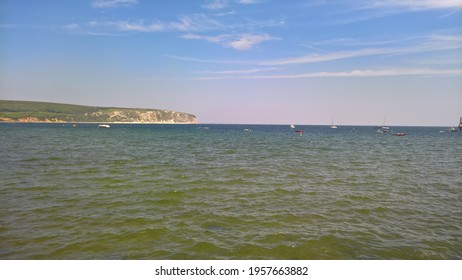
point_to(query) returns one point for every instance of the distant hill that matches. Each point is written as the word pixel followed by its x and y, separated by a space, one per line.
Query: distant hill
pixel 29 111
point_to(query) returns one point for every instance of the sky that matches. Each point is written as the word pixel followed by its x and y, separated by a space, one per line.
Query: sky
pixel 351 62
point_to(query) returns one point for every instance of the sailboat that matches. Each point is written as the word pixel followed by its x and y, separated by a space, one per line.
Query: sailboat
pixel 383 129
pixel 458 128
pixel 333 125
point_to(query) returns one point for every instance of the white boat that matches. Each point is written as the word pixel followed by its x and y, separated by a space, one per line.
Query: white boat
pixel 333 125
pixel 456 128
pixel 104 126
pixel 292 126
pixel 382 129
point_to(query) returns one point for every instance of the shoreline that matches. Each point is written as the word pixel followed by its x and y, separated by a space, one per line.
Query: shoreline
pixel 45 122
pixel 96 123
pixel 224 124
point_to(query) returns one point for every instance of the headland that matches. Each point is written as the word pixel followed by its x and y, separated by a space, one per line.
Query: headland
pixel 46 112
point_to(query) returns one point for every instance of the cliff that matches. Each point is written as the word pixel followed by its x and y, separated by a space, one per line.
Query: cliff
pixel 27 111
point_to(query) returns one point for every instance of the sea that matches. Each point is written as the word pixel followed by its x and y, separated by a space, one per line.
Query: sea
pixel 229 192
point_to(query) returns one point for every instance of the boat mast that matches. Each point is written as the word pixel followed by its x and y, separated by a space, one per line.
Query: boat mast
pixel 460 124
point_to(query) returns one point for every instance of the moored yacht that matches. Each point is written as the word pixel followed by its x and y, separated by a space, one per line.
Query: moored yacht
pixel 333 125
pixel 383 129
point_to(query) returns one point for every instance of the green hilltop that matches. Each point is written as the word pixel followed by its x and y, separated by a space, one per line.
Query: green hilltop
pixel 31 111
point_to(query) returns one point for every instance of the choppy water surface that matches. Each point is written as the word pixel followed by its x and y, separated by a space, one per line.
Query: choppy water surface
pixel 188 192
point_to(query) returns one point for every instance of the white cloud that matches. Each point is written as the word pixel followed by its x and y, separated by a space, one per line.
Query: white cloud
pixel 239 42
pixel 112 3
pixel 247 41
pixel 197 22
pixel 418 4
pixel 199 60
pixel 315 58
pixel 72 27
pixel 365 10
pixel 212 39
pixel 417 40
pixel 431 43
pixel 366 42
pixel 216 4
pixel 247 2
pixel 354 73
pixel 223 4
pixel 446 38
pixel 140 26
pixel 241 71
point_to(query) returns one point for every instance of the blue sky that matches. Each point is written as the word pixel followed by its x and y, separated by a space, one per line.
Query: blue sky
pixel 241 61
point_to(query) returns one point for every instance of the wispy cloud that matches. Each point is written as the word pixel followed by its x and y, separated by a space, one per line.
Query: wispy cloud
pixel 239 42
pixel 247 2
pixel 354 73
pixel 311 47
pixel 112 3
pixel 71 26
pixel 216 4
pixel 427 44
pixel 365 10
pixel 431 43
pixel 355 42
pixel 223 4
pixel 416 4
pixel 200 60
pixel 315 58
pixel 237 32
pixel 196 22
pixel 257 24
pixel 241 71
pixel 417 43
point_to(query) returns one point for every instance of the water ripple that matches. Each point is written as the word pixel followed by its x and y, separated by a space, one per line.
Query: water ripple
pixel 177 192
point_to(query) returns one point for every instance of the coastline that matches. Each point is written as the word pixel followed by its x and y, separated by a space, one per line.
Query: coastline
pixel 65 122
pixel 46 112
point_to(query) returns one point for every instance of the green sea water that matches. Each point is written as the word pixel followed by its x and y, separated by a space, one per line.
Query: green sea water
pixel 219 192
